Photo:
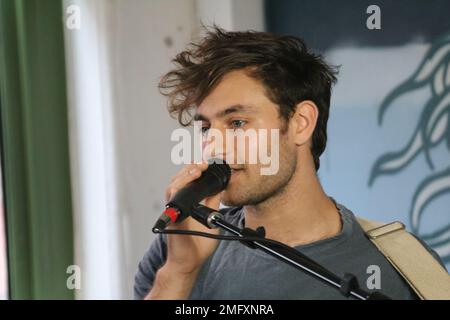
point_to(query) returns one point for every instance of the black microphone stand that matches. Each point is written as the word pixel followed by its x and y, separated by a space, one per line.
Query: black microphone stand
pixel 348 285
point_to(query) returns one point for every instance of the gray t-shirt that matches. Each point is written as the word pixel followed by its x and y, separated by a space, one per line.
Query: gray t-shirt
pixel 235 271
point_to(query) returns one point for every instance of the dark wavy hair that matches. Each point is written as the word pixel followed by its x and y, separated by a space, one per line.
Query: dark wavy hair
pixel 289 72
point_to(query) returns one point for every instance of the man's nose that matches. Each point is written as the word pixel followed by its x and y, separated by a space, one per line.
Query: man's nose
pixel 217 146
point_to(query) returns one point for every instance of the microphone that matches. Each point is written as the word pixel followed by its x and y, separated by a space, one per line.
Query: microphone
pixel 212 181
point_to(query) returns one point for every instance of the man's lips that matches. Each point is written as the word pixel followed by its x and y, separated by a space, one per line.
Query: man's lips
pixel 235 170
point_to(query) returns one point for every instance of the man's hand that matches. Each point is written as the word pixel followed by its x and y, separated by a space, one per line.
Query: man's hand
pixel 185 254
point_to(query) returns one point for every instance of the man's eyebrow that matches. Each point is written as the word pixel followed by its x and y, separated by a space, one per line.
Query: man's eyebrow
pixel 225 112
pixel 200 117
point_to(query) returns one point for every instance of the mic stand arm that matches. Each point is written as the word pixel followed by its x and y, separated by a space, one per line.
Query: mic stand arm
pixel 348 285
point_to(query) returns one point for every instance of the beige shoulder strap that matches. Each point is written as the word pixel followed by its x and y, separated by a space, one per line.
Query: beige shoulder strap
pixel 410 258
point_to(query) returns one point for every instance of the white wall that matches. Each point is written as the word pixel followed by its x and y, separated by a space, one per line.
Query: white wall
pixel 147 36
pixel 119 126
pixel 232 14
pixel 92 149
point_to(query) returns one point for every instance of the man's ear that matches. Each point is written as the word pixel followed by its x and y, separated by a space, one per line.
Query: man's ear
pixel 304 121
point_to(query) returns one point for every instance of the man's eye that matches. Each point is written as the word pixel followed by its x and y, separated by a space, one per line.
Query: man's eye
pixel 205 130
pixel 238 123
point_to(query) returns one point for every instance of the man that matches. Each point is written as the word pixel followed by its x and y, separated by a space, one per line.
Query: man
pixel 254 80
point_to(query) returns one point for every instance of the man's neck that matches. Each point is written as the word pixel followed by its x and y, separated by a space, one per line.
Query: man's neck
pixel 302 213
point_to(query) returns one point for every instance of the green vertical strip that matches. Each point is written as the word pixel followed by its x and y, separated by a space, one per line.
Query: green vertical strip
pixel 35 148
pixel 13 157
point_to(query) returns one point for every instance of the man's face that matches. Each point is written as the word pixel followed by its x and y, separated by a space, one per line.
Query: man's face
pixel 239 102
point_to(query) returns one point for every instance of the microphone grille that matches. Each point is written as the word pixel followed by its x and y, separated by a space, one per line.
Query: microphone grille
pixel 220 169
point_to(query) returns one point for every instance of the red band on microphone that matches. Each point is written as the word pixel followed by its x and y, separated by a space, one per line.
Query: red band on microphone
pixel 171 213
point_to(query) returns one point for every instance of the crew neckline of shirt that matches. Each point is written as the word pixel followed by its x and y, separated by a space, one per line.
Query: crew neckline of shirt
pixel 316 246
